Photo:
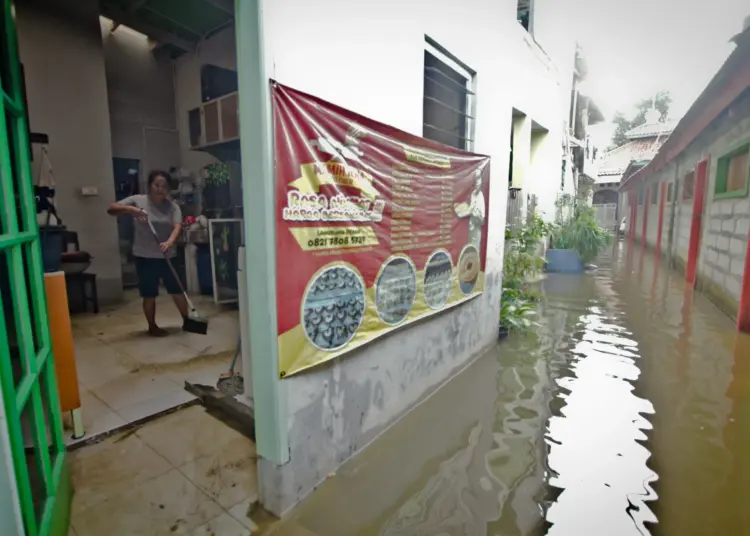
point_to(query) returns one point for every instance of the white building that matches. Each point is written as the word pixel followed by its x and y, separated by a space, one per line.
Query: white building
pixel 102 91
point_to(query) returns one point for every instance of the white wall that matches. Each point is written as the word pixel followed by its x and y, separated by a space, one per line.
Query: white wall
pixel 10 504
pixel 219 50
pixel 61 51
pixel 140 85
pixel 370 60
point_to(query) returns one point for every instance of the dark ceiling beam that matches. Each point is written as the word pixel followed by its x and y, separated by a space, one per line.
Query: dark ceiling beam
pixel 128 19
pixel 227 6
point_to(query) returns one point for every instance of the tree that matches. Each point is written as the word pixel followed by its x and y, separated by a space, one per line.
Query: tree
pixel 662 101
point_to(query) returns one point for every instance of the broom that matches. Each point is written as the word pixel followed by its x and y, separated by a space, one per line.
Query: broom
pixel 192 323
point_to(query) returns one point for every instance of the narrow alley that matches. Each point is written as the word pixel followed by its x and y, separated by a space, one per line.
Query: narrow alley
pixel 626 412
pixel 294 268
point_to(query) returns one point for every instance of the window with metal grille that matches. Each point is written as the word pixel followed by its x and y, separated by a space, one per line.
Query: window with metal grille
pixel 448 99
pixel 524 13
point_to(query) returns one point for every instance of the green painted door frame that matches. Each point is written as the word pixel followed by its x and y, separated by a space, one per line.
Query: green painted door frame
pixel 27 375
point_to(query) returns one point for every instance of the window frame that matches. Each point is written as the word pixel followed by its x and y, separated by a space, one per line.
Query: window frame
pixel 530 24
pixel 654 195
pixel 722 172
pixel 443 55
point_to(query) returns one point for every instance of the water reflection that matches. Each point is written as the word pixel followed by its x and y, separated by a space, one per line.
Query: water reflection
pixel 626 412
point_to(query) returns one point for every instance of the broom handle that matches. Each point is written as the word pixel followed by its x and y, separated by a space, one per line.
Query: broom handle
pixel 171 267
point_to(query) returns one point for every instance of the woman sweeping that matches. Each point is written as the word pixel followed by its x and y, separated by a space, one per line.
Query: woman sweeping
pixel 166 217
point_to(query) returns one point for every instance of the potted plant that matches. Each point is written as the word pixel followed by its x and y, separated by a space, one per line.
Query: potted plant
pixel 577 243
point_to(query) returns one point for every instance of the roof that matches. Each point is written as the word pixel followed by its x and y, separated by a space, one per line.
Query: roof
pixel 651 129
pixel 613 163
pixel 727 85
pixel 179 25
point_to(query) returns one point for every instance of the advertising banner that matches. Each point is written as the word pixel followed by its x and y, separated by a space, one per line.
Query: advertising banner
pixel 375 228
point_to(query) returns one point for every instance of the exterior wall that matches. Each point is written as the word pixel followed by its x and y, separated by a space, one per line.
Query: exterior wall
pixel 336 409
pixel 683 221
pixel 653 219
pixel 61 50
pixel 140 89
pixel 639 212
pixel 726 222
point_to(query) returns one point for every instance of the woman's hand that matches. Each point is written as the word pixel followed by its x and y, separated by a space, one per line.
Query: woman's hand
pixel 165 246
pixel 139 214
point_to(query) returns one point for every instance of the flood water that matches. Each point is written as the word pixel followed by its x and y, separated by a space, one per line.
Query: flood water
pixel 627 412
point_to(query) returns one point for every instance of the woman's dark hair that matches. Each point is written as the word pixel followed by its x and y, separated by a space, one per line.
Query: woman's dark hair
pixel 158 173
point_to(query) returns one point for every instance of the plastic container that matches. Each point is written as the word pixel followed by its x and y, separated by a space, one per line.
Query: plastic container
pixel 51 240
pixel 564 261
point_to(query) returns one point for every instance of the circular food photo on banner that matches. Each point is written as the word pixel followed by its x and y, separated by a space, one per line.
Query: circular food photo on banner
pixel 438 279
pixel 468 269
pixel 395 289
pixel 333 307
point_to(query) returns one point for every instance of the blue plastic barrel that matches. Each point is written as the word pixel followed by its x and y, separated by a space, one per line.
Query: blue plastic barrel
pixel 564 261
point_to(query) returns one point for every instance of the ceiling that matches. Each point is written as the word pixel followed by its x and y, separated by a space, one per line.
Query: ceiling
pixel 179 25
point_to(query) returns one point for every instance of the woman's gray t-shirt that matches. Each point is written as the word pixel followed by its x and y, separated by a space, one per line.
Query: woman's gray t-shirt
pixel 164 216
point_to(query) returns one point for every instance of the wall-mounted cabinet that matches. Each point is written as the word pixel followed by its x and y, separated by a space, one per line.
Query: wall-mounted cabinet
pixel 214 122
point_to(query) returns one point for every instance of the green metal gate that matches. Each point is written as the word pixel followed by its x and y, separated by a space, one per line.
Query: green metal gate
pixel 27 375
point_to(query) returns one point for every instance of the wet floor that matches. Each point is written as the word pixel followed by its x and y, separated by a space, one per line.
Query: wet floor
pixel 626 412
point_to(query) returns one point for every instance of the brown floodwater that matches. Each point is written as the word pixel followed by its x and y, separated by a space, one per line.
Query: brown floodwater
pixel 626 412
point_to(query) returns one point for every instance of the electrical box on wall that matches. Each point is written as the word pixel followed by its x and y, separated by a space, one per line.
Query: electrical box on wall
pixel 89 191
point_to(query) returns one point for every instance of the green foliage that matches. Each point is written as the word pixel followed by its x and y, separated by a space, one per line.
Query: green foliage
pixel 582 234
pixel 516 313
pixel 662 102
pixel 522 259
pixel 217 173
pixel 521 250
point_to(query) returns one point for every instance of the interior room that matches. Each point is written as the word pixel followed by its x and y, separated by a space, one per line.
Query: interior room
pixel 114 90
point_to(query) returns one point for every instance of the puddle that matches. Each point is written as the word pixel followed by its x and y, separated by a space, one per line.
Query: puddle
pixel 627 412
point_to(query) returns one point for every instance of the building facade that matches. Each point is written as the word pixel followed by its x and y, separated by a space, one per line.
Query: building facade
pixel 517 64
pixel 691 202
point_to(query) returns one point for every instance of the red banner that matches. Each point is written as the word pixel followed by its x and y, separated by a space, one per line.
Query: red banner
pixel 375 228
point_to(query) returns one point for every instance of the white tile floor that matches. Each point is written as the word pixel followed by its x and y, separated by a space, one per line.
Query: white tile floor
pixel 125 375
pixel 186 473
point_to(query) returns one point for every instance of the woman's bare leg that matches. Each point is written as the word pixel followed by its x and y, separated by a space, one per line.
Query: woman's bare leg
pixel 181 303
pixel 149 310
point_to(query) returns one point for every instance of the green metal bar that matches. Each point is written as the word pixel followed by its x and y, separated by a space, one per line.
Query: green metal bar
pixel 24 387
pixel 23 391
pixel 41 453
pixel 13 414
pixel 49 384
pixel 8 240
pixel 269 392
pixel 58 466
pixel 14 421
pixel 42 381
pixel 11 105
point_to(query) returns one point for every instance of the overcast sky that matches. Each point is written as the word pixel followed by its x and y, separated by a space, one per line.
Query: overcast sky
pixel 634 48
